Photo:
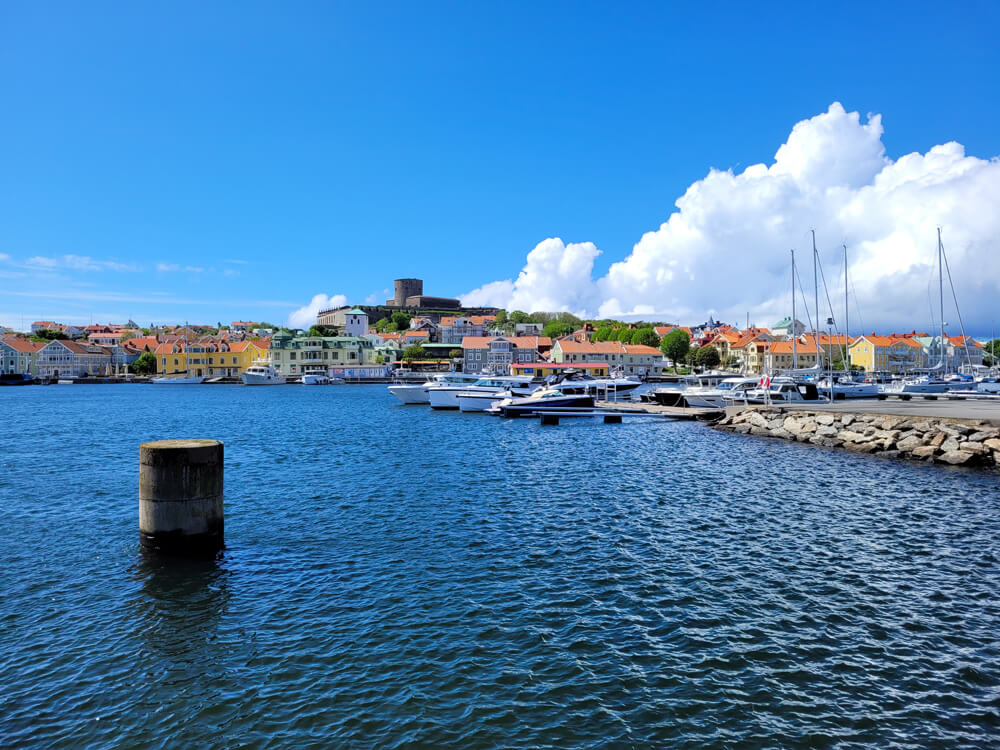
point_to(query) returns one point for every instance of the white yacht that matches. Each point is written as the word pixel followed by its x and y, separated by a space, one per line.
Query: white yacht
pixel 262 373
pixel 448 396
pixel 417 393
pixel 715 397
pixel 776 390
pixel 916 384
pixel 315 378
pixel 845 388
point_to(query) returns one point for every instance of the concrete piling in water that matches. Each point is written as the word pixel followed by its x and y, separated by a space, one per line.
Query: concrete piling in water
pixel 180 496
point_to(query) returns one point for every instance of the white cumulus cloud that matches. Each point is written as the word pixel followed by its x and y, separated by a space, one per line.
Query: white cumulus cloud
pixel 725 249
pixel 306 316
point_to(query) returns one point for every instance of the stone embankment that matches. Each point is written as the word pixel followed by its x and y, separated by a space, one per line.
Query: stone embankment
pixel 960 443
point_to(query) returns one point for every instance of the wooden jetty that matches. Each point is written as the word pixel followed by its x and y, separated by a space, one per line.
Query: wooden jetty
pixel 611 412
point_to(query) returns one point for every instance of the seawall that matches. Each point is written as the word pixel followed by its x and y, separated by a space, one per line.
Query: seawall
pixel 965 442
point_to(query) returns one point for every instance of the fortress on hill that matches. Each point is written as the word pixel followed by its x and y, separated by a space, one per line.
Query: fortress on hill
pixel 409 297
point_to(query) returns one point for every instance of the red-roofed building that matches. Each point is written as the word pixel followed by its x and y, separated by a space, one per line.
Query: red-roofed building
pixel 73 359
pixel 19 355
pixel 497 354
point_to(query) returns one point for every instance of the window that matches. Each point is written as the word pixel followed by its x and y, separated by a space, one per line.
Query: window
pixel 291 355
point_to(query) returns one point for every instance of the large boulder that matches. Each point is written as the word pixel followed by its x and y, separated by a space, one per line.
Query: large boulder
pixel 993 444
pixel 924 451
pixel 984 434
pixel 956 457
pixel 830 431
pixel 973 447
pixel 950 445
pixel 825 419
pixel 849 436
pixel 909 443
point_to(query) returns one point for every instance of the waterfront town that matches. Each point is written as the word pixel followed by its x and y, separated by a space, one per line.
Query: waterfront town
pixel 418 332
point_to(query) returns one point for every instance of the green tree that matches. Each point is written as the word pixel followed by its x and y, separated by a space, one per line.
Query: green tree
pixel 708 356
pixel 144 365
pixel 401 320
pixel 318 330
pixel 624 335
pixel 557 329
pixel 732 362
pixel 519 316
pixel 675 346
pixel 44 334
pixel 603 333
pixel 645 337
pixel 413 351
pixel 455 353
pixel 501 319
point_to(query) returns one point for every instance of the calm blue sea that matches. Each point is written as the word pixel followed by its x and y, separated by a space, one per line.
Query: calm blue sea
pixel 401 577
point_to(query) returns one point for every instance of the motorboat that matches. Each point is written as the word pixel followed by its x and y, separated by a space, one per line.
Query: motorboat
pixel 715 398
pixel 576 382
pixel 178 380
pixel 775 390
pixel 316 378
pixel 261 373
pixel 417 393
pixel 447 396
pixel 543 398
pixel 917 384
pixel 846 388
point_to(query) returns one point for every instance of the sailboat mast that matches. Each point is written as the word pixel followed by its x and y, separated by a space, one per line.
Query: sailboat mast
pixel 795 348
pixel 816 298
pixel 847 320
pixel 941 295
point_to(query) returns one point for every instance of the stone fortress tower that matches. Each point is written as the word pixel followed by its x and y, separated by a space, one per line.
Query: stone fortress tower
pixel 406 288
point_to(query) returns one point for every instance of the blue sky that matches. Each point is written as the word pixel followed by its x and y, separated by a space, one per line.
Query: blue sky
pixel 215 161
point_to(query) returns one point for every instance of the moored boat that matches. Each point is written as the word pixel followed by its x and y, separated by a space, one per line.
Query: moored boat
pixel 262 373
pixel 539 401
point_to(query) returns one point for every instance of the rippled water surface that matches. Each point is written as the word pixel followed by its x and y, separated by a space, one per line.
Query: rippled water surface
pixel 395 576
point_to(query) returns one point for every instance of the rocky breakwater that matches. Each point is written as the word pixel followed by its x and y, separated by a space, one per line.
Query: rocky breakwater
pixel 955 442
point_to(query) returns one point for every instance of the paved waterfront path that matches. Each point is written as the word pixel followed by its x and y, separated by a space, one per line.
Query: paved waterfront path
pixel 941 408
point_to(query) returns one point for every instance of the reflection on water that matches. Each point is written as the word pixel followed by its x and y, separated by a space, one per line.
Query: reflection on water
pixel 400 577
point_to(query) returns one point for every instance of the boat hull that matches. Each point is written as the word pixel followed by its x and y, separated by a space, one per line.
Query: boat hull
pixel 528 410
pixel 177 381
pixel 410 394
pixel 261 379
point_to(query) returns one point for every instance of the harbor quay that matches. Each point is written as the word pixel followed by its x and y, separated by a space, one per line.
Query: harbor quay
pixel 951 433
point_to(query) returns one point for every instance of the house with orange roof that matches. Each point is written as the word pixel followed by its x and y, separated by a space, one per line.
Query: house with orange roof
pixel 874 353
pixel 72 359
pixel 498 354
pixel 19 356
pixel 643 360
pixel 786 355
pixel 455 329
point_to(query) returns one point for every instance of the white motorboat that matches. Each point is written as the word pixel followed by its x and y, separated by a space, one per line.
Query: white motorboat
pixel 316 378
pixel 417 393
pixel 914 385
pixel 776 390
pixel 261 373
pixel 177 380
pixel 715 398
pixel 448 396
pixel 576 382
pixel 845 388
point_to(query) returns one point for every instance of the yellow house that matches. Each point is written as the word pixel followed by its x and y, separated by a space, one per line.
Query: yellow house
pixel 209 359
pixel 886 354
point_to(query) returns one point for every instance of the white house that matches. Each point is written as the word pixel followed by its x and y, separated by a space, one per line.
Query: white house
pixel 60 359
